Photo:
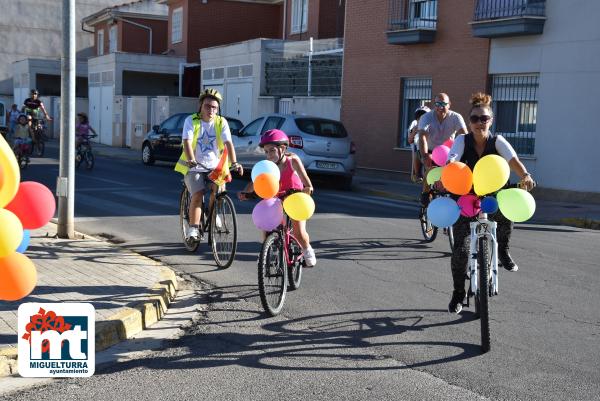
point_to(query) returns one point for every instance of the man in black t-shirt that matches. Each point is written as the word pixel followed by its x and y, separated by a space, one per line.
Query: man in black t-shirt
pixel 33 106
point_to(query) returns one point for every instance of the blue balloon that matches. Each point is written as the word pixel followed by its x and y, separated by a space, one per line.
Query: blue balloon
pixel 25 242
pixel 443 212
pixel 489 204
pixel 265 166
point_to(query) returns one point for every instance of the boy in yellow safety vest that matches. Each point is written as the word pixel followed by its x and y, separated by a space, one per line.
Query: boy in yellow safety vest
pixel 207 147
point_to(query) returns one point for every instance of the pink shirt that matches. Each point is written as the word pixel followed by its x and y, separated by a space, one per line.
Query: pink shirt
pixel 289 178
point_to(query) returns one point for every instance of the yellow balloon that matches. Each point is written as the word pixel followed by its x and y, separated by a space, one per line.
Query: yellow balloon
pixel 490 174
pixel 11 232
pixel 11 175
pixel 299 206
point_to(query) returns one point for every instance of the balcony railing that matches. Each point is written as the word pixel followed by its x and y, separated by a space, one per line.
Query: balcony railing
pixel 500 18
pixel 412 21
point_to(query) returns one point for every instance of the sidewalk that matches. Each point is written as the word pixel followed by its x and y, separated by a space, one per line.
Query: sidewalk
pixel 128 291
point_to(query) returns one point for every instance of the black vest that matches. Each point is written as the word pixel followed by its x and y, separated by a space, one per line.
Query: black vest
pixel 470 156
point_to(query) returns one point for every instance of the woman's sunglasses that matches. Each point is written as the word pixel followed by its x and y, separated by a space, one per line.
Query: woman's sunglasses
pixel 484 119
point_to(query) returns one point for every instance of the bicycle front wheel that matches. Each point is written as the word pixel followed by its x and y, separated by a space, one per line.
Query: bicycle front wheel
pixel 272 274
pixel 89 159
pixel 184 206
pixel 223 231
pixel 483 262
pixel 429 230
pixel 40 146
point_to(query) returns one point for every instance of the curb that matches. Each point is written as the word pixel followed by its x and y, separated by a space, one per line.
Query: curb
pixel 123 324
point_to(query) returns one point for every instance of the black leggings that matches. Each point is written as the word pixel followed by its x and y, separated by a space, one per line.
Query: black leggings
pixel 460 254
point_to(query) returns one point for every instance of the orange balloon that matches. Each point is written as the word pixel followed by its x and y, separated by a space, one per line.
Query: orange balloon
pixel 457 178
pixel 18 277
pixel 266 185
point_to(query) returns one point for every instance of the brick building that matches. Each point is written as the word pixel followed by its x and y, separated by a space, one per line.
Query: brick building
pixel 397 57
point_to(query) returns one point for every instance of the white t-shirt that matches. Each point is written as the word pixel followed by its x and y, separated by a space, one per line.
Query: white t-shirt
pixel 415 143
pixel 503 148
pixel 438 133
pixel 207 150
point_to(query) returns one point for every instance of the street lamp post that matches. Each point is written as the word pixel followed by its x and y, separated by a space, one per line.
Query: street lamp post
pixel 65 185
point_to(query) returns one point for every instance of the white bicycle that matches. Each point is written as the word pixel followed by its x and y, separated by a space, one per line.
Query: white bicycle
pixel 483 271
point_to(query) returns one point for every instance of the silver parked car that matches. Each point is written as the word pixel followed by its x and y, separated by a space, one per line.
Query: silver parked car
pixel 323 145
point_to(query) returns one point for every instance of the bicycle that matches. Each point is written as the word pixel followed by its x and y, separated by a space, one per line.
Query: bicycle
pixel 429 230
pixel 84 154
pixel 483 271
pixel 21 149
pixel 219 220
pixel 280 264
pixel 39 137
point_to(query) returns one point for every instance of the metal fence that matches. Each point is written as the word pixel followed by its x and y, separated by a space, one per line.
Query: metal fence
pixel 412 14
pixel 415 93
pixel 494 9
pixel 514 101
pixel 292 69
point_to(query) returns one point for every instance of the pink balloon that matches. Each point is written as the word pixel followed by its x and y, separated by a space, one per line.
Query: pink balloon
pixel 440 155
pixel 449 142
pixel 469 204
pixel 268 214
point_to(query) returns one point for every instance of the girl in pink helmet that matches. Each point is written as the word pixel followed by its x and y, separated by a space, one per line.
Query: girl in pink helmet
pixel 292 176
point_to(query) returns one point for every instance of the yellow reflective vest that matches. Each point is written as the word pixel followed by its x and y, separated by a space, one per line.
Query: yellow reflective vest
pixel 181 165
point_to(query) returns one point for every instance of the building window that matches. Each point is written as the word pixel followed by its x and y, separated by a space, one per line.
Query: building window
pixel 422 14
pixel 299 16
pixel 413 14
pixel 415 93
pixel 112 39
pixel 100 44
pixel 515 109
pixel 177 25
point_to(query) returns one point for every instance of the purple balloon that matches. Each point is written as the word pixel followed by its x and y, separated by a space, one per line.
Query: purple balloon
pixel 268 214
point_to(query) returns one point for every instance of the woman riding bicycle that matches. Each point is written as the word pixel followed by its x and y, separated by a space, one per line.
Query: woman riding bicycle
pixel 292 176
pixel 469 149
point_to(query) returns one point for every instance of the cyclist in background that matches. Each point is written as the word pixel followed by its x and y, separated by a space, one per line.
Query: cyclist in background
pixel 82 129
pixel 413 140
pixel 469 149
pixel 205 135
pixel 435 127
pixel 22 135
pixel 34 107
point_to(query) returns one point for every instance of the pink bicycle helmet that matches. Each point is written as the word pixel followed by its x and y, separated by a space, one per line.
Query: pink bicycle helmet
pixel 275 137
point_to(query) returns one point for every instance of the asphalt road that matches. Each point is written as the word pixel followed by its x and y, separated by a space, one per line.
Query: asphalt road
pixel 370 320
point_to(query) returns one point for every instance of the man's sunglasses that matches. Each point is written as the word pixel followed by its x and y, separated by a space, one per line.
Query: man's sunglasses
pixel 484 119
pixel 441 104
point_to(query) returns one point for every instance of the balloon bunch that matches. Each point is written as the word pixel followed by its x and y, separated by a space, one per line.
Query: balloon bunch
pixel 489 175
pixel 268 213
pixel 23 207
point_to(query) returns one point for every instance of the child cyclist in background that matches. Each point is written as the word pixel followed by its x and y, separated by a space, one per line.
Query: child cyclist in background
pixel 22 134
pixel 293 176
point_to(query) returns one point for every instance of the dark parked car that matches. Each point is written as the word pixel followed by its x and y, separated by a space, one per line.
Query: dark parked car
pixel 164 141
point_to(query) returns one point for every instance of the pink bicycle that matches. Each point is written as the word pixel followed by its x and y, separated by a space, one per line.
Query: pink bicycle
pixel 279 265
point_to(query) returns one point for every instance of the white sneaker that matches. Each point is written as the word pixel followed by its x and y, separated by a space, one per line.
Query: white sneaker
pixel 309 257
pixel 192 233
pixel 218 222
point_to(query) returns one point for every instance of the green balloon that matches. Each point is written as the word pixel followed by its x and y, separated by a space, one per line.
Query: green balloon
pixel 516 204
pixel 434 175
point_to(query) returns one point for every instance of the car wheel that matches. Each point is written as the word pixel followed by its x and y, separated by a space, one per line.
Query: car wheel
pixel 147 155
